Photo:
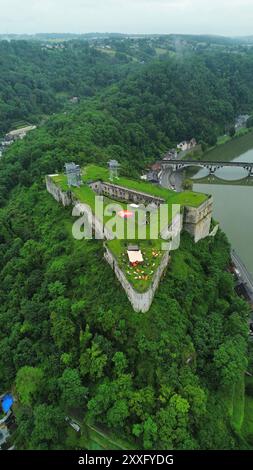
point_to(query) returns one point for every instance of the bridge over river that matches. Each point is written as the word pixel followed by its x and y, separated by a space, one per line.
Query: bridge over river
pixel 211 166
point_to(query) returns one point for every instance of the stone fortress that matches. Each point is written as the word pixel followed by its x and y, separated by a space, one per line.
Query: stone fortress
pixel 195 220
pixel 120 193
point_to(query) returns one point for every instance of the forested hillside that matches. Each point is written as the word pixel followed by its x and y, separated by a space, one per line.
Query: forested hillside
pixel 69 340
pixel 164 98
pixel 36 81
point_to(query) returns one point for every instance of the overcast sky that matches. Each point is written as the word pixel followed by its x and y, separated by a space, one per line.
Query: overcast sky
pixel 226 17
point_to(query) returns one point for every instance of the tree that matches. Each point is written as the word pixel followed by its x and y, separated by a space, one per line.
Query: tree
pixel 49 427
pixel 150 431
pixel 28 383
pixel 230 360
pixel 118 414
pixel 92 362
pixel 173 424
pixel 142 402
pixel 120 363
pixel 232 131
pixel 63 330
pixel 187 184
pixel 73 394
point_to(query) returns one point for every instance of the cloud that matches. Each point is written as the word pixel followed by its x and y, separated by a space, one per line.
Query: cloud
pixel 231 17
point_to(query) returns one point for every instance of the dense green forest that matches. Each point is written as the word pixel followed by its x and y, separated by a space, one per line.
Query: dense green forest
pixel 70 342
pixel 171 95
pixel 36 81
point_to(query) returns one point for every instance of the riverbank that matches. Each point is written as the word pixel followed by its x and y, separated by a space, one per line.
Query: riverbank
pixel 226 149
pixel 231 149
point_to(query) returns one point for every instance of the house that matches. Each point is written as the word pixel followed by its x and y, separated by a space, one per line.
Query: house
pixel 74 100
pixel 187 145
pixel 193 143
pixel 170 155
pixel 183 146
pixel 154 172
pixel 241 121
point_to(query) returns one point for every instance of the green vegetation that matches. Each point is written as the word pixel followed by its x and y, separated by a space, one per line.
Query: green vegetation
pixel 231 149
pixel 36 81
pixel 238 404
pixel 68 336
pixel 95 438
pixel 140 277
pixel 95 173
pixel 247 426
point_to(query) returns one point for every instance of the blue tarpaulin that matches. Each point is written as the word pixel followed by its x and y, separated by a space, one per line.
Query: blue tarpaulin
pixel 7 403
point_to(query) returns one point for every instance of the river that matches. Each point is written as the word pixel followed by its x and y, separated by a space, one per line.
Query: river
pixel 233 207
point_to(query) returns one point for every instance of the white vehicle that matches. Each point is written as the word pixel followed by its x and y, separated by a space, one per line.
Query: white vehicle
pixel 72 423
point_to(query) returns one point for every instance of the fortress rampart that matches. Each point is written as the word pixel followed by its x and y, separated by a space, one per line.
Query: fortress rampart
pixel 123 194
pixel 64 197
pixel 196 221
pixel 140 302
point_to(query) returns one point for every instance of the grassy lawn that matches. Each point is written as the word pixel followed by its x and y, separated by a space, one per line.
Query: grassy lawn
pixel 161 51
pixel 86 195
pixel 94 437
pixel 94 172
pixel 238 404
pixel 106 438
pixel 106 51
pixel 223 139
pixel 232 148
pixel 140 276
pixel 247 425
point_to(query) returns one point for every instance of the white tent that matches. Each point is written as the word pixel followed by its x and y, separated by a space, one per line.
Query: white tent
pixel 135 256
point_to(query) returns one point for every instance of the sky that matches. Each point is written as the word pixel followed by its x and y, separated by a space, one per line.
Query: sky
pixel 223 17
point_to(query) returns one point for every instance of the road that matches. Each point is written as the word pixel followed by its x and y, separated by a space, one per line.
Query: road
pixel 244 273
pixel 171 180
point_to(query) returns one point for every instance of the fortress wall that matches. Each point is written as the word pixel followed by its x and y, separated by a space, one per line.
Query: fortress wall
pixel 197 221
pixel 120 193
pixel 173 229
pixel 64 197
pixel 101 231
pixel 140 302
pixel 214 232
